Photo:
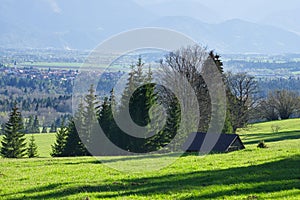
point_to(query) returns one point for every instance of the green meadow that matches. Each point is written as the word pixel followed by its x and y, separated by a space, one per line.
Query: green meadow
pixel 52 64
pixel 252 173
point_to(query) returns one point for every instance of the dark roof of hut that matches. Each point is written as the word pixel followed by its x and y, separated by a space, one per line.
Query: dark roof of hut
pixel 225 142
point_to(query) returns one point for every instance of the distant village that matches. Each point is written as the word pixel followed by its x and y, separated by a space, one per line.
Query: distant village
pixel 35 73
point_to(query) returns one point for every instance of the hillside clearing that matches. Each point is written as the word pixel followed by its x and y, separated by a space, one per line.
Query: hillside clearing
pixel 271 173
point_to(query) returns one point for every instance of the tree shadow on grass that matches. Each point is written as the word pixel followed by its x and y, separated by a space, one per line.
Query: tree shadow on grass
pixel 257 179
pixel 111 159
pixel 270 137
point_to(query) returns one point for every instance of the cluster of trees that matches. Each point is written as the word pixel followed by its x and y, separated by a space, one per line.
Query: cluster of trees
pixel 139 97
pixel 82 129
pixel 49 99
pixel 241 88
pixel 262 64
pixel 14 143
pixel 32 125
pixel 266 85
pixel 250 106
pixel 49 110
pixel 27 102
pixel 245 102
pixel 140 106
pixel 279 104
pixel 27 84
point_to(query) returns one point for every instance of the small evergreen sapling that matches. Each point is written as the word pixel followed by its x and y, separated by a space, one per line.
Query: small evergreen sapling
pixel 59 146
pixel 32 148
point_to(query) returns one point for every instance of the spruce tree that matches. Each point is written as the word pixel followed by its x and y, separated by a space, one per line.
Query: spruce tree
pixel 89 130
pixel 139 106
pixel 53 128
pixel 32 148
pixel 129 89
pixel 29 124
pixel 13 143
pixel 227 124
pixel 227 128
pixel 59 146
pixel 105 117
pixel 71 140
pixel 45 129
pixel 173 118
pixel 107 123
pixel 36 125
pixel 74 145
pixel 140 101
pixel 90 115
pixel 172 125
pixel 2 127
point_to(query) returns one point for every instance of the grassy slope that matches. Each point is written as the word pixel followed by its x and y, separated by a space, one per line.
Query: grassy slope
pixel 288 129
pixel 271 173
pixel 44 142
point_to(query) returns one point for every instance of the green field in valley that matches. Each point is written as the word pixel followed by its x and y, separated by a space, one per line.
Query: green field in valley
pixel 72 66
pixel 52 64
pixel 252 173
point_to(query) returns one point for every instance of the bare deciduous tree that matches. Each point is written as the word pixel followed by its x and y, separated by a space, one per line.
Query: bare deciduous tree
pixel 198 67
pixel 281 103
pixel 267 110
pixel 188 62
pixel 243 88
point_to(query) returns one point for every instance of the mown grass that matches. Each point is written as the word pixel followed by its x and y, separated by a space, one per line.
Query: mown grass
pixel 44 142
pixel 271 173
pixel 288 129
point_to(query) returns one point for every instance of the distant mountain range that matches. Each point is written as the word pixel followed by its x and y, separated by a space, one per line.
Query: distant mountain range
pixel 82 25
pixel 235 36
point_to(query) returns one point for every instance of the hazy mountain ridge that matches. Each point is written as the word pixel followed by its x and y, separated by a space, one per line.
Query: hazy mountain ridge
pixel 235 36
pixel 61 24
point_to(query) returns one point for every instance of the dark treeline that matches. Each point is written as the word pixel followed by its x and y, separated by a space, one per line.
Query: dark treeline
pixel 265 85
pixel 291 66
pixel 81 131
pixel 31 82
pixel 60 103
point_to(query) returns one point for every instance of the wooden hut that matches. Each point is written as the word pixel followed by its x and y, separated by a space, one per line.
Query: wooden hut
pixel 220 143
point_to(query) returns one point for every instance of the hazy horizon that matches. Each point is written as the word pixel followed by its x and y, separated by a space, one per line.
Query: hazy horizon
pixel 260 26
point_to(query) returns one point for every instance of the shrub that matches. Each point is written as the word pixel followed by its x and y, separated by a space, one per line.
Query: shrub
pixel 262 144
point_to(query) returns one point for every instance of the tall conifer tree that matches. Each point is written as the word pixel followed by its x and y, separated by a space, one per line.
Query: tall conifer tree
pixel 59 146
pixel 13 143
pixel 74 145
